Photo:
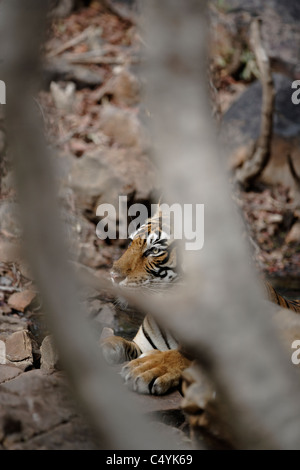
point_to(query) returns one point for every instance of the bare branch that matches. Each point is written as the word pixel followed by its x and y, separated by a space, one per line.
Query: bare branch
pixel 108 405
pixel 219 317
pixel 257 162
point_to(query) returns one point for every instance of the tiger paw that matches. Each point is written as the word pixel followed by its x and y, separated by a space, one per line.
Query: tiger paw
pixel 117 350
pixel 155 372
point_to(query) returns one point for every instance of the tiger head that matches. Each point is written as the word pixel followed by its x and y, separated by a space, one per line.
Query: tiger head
pixel 151 259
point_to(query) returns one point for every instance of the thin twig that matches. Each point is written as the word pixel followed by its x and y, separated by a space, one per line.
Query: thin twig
pixel 74 41
pixel 98 58
pixel 10 289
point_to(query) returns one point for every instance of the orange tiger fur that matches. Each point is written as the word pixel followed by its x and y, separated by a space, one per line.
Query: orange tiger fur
pixel 278 299
pixel 155 361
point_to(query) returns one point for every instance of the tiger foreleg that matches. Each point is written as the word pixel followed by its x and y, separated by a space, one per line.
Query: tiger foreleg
pixel 155 372
pixel 117 350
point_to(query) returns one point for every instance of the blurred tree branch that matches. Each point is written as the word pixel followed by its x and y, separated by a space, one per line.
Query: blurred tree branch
pixel 219 316
pixel 107 403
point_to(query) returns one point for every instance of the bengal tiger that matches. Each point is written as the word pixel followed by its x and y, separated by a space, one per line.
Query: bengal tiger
pixel 154 360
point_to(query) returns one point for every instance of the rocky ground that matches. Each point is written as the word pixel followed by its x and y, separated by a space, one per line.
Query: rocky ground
pixel 94 122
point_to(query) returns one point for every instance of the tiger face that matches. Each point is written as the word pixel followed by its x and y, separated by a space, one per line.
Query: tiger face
pixel 150 260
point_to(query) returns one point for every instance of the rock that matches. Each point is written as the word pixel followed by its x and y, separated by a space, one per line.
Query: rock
pixel 49 355
pixel 89 256
pixel 121 126
pixel 240 129
pixel 63 96
pixel 106 333
pixel 294 234
pixel 8 372
pixel 21 300
pixel 11 324
pixel 89 177
pixel 72 435
pixel 37 412
pixel 102 176
pixel 25 269
pixel 5 309
pixel 19 349
pixel 133 172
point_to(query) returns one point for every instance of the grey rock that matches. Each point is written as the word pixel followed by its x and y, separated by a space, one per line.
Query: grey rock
pixel 8 372
pixel 37 411
pixel 101 176
pixel 11 324
pixel 19 349
pixel 241 128
pixel 121 126
pixel 72 435
pixel 49 354
pixel 245 113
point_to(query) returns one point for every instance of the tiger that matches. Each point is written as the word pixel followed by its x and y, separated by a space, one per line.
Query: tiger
pixel 154 360
pixel 280 300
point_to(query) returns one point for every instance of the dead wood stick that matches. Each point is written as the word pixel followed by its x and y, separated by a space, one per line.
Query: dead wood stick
pixel 10 289
pixel 257 162
pixel 74 41
pixel 98 58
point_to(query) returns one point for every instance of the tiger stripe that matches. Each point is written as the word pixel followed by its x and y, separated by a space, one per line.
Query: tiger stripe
pixel 150 336
pixel 278 299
